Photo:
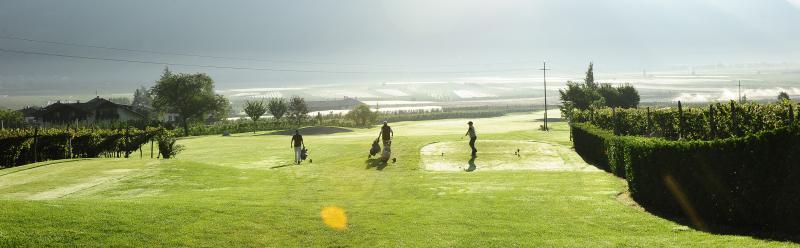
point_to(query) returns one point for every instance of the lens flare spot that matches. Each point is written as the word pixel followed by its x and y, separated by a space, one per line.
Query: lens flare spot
pixel 334 217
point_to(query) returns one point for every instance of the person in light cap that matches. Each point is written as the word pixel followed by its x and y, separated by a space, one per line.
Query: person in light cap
pixel 472 137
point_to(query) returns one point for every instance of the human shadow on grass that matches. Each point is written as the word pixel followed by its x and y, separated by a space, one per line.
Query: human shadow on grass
pixel 375 163
pixel 280 166
pixel 549 120
pixel 472 167
pixel 708 227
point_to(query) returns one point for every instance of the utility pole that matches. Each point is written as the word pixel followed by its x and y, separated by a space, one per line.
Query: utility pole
pixel 740 91
pixel 544 79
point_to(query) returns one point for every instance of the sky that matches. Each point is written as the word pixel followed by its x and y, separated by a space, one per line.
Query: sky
pixel 302 42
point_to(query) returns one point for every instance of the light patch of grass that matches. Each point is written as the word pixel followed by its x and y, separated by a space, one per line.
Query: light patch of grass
pixel 501 155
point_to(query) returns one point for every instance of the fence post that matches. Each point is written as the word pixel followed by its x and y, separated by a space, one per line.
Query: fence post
pixel 734 124
pixel 712 121
pixel 649 122
pixel 127 142
pixel 69 143
pixel 36 144
pixel 798 115
pixel 791 114
pixel 614 120
pixel 680 120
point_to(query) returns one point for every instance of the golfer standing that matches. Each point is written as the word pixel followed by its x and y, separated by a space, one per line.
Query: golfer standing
pixel 472 138
pixel 386 133
pixel 297 144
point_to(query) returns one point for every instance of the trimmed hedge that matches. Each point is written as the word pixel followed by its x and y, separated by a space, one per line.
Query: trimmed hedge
pixel 751 181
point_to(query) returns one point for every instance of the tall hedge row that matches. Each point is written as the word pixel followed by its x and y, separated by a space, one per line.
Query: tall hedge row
pixel 751 181
pixel 712 122
pixel 23 146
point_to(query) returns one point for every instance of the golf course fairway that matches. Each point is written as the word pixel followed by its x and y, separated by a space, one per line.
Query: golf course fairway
pixel 243 191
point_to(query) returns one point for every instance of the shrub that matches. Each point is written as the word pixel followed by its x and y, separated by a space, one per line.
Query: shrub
pixel 166 144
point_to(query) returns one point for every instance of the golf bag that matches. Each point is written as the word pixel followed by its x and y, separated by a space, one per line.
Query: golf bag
pixel 387 151
pixel 303 154
pixel 376 148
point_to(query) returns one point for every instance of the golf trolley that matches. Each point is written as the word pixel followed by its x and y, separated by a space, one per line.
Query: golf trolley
pixel 385 155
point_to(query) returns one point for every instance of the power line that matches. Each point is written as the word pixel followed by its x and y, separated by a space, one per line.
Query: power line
pixel 249 68
pixel 230 57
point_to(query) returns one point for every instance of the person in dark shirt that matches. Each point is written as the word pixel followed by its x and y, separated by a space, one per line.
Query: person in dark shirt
pixel 472 137
pixel 297 144
pixel 386 133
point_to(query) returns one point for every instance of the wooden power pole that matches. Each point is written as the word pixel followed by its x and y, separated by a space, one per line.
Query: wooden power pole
pixel 544 79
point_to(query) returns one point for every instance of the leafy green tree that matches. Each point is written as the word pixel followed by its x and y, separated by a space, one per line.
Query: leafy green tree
pixel 142 98
pixel 578 96
pixel 590 94
pixel 298 109
pixel 277 107
pixel 610 94
pixel 11 117
pixel 143 102
pixel 361 115
pixel 589 80
pixel 191 96
pixel 783 96
pixel 318 118
pixel 221 109
pixel 623 96
pixel 628 96
pixel 255 110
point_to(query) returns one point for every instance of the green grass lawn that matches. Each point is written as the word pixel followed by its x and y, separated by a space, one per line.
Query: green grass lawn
pixel 243 191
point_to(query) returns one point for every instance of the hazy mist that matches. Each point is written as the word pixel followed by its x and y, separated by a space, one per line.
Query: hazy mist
pixel 373 41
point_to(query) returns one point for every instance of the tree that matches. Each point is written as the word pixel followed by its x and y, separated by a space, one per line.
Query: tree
pixel 255 110
pixel 589 80
pixel 783 96
pixel 623 96
pixel 191 96
pixel 610 95
pixel 361 115
pixel 277 107
pixel 628 96
pixel 143 102
pixel 590 94
pixel 579 96
pixel 11 117
pixel 298 108
pixel 221 109
pixel 142 98
pixel 319 118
